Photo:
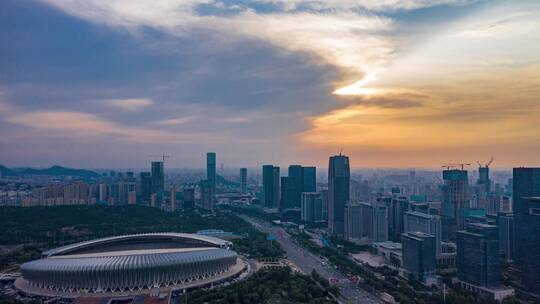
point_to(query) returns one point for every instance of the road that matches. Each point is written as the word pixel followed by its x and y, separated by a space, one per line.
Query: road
pixel 306 262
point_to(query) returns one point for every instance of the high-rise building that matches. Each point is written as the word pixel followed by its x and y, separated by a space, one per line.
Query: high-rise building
pixel 418 255
pixel 243 180
pixel 397 206
pixel 338 192
pixel 270 186
pixel 206 195
pixel 211 170
pixel 277 192
pixel 353 230
pixel 188 195
pixel 483 178
pixel 295 186
pixel 477 260
pixel 526 209
pixel 505 222
pixel 426 223
pixel 324 201
pixel 366 222
pixel 145 179
pixel 478 255
pixel 284 190
pixel 310 179
pixel 380 223
pixel 455 198
pixel 158 177
pixel 172 197
pixel 311 207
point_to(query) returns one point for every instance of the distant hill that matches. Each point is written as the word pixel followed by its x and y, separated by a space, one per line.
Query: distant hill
pixel 5 171
pixel 52 171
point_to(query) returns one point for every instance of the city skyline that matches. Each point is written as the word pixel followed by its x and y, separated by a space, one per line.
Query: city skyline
pixel 395 84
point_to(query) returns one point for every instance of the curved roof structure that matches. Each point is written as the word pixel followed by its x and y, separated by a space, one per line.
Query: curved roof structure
pixel 150 237
pixel 130 263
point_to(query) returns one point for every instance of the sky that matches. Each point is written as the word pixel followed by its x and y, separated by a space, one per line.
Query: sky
pixel 391 83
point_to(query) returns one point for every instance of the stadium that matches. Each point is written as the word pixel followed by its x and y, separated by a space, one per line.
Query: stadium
pixel 131 264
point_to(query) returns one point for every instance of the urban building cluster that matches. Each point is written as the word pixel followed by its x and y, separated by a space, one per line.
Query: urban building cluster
pixel 127 188
pixel 463 229
pixel 422 224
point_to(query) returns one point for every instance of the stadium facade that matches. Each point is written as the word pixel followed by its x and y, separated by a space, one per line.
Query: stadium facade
pixel 130 264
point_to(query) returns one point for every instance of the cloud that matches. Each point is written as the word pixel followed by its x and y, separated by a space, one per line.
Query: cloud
pixel 130 104
pixel 175 121
pixel 380 5
pixel 342 37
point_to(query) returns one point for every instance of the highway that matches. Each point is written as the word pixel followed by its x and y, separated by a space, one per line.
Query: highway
pixel 306 262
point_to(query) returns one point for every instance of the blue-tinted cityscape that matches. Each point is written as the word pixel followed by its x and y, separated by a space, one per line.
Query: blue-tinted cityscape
pixel 269 151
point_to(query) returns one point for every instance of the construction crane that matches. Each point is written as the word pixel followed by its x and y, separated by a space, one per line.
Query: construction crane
pixel 448 166
pixel 162 156
pixel 487 164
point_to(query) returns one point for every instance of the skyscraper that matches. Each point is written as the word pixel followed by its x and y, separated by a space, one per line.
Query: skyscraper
pixel 207 201
pixel 419 261
pixel 243 180
pixel 397 206
pixel 158 177
pixel 338 192
pixel 526 208
pixel 270 186
pixel 310 179
pixel 277 192
pixel 455 199
pixel 505 222
pixel 296 186
pixel 145 179
pixel 211 170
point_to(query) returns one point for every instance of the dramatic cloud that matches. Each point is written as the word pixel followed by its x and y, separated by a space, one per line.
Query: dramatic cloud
pixel 392 82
